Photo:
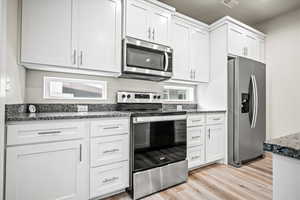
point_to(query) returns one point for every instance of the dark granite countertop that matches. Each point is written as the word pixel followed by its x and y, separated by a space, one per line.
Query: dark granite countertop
pixel 286 146
pixel 64 115
pixel 205 111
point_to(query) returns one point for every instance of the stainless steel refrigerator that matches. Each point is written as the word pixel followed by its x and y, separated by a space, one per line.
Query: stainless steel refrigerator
pixel 246 110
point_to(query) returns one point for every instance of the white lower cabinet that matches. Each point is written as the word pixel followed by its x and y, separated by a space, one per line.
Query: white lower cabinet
pixel 205 139
pixel 214 142
pixel 53 171
pixel 109 179
pixel 67 160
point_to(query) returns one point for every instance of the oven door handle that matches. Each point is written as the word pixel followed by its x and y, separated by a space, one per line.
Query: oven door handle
pixel 167 61
pixel 137 120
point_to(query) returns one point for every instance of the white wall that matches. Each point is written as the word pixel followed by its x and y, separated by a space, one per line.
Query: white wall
pixel 2 88
pixel 283 71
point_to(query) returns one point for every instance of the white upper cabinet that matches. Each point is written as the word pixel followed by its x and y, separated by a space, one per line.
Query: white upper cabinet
pixel 199 54
pixel 137 20
pixel 47 32
pixel 236 40
pixel 190 41
pixel 83 34
pixel 180 45
pixel 100 35
pixel 149 22
pixel 245 43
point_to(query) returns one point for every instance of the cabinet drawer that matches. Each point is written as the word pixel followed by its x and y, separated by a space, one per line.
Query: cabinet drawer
pixel 195 120
pixel 45 132
pixel 107 150
pixel 195 136
pixel 196 156
pixel 109 127
pixel 215 118
pixel 108 179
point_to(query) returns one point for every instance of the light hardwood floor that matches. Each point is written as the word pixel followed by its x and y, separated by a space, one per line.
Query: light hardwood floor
pixel 220 182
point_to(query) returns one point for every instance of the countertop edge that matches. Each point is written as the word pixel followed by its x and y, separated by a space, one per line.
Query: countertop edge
pixel 282 150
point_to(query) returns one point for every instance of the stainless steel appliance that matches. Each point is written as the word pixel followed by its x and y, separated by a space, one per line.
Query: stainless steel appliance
pixel 146 60
pixel 246 109
pixel 158 144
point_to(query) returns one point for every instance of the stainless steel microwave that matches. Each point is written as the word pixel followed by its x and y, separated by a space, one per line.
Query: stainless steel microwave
pixel 146 60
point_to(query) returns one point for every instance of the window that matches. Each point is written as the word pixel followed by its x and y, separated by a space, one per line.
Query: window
pixel 66 88
pixel 178 93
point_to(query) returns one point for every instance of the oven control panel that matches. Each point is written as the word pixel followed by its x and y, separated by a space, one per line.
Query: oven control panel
pixel 139 97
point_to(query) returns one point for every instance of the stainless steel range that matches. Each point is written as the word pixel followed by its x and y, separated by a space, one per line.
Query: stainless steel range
pixel 158 144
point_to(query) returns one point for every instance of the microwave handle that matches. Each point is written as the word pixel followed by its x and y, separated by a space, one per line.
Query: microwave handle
pixel 167 61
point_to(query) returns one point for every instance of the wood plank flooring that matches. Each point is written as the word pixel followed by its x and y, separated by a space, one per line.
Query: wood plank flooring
pixel 220 182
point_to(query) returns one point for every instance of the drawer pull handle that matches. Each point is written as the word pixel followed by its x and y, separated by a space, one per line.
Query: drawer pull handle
pixel 111 151
pixel 199 120
pixel 195 157
pixel 107 180
pixel 216 119
pixel 111 127
pixel 49 132
pixel 196 137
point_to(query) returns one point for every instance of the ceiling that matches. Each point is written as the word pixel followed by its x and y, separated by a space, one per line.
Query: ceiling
pixel 248 11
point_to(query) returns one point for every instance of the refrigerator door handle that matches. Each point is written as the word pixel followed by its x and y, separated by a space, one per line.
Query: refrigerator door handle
pixel 255 101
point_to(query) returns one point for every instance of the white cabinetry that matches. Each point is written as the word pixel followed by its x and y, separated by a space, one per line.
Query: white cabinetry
pixel 190 41
pixel 60 33
pixel 62 160
pixel 47 32
pixel 55 171
pixel 149 21
pixel 205 139
pixel 245 43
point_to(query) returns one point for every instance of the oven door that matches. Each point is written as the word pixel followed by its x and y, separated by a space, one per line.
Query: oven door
pixel 158 141
pixel 142 57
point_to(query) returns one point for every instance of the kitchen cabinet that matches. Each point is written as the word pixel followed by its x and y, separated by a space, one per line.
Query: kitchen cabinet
pixel 67 159
pixel 205 139
pixel 47 32
pixel 99 43
pixel 180 45
pixel 60 33
pixel 214 142
pixel 149 22
pixel 190 41
pixel 245 43
pixel 47 171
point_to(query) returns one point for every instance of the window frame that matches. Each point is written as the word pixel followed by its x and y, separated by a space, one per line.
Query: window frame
pixel 46 88
pixel 190 96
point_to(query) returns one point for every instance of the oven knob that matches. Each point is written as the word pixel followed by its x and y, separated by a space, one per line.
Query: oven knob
pixel 123 96
pixel 154 97
pixel 158 96
pixel 128 96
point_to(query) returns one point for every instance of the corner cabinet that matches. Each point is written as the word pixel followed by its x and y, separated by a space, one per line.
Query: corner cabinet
pixel 190 41
pixel 60 33
pixel 148 21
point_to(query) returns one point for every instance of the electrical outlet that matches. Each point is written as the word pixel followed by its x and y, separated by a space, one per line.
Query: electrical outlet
pixel 82 108
pixel 179 107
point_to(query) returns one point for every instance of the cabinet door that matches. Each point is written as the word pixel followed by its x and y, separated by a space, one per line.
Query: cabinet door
pixel 236 42
pixel 137 20
pixel 262 56
pixel 252 46
pixel 53 171
pixel 180 44
pixel 100 35
pixel 47 32
pixel 199 54
pixel 160 24
pixel 215 142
